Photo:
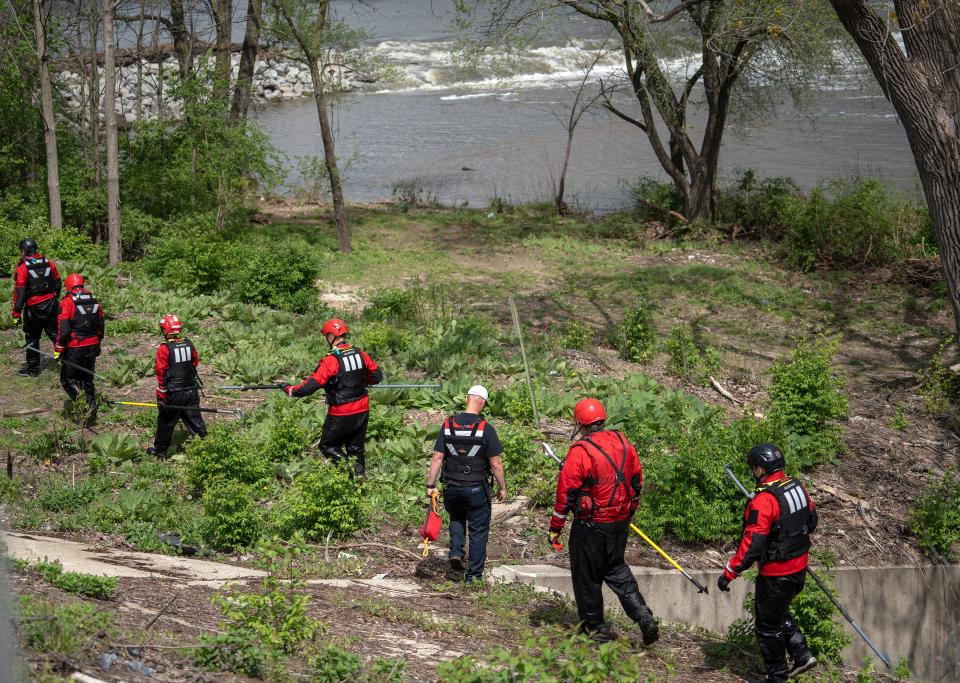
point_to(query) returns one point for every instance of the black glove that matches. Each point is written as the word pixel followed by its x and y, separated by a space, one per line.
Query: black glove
pixel 723 583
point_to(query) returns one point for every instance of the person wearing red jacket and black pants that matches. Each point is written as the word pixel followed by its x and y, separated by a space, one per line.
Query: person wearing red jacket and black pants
pixel 36 286
pixel 344 375
pixel 177 386
pixel 600 483
pixel 776 535
pixel 79 333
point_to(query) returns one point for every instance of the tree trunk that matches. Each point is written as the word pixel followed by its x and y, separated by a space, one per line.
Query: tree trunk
pixel 182 40
pixel 561 184
pixel 248 60
pixel 924 87
pixel 49 122
pixel 330 160
pixel 223 19
pixel 110 121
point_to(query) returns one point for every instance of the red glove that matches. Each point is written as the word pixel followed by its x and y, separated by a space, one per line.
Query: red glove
pixel 287 389
pixel 57 348
pixel 554 537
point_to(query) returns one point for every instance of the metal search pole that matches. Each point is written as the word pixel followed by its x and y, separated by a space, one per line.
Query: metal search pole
pixel 856 627
pixel 68 363
pixel 523 355
pixel 278 385
pixel 136 404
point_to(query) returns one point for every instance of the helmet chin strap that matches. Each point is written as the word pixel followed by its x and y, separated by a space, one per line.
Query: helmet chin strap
pixel 576 431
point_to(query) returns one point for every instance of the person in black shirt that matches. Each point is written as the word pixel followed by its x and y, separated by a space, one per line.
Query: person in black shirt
pixel 466 455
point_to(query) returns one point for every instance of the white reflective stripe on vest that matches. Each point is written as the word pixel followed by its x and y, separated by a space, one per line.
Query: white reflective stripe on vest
pixel 352 361
pixel 795 499
pixel 452 449
pixel 182 354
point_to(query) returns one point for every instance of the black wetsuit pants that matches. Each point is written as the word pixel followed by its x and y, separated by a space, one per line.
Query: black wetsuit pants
pixel 39 319
pixel 596 557
pixel 344 437
pixel 73 379
pixel 777 634
pixel 167 418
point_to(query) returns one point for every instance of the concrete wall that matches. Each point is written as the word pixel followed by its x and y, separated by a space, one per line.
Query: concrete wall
pixel 911 612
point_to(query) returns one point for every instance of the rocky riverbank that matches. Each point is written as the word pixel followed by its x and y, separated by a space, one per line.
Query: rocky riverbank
pixel 145 89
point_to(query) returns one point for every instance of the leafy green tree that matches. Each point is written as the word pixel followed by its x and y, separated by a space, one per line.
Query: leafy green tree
pixel 726 47
pixel 202 163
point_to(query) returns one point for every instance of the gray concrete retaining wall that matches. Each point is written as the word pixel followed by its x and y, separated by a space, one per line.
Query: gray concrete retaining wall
pixel 911 612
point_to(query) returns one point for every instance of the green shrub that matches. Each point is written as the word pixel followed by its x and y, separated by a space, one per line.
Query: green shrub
pixel 64 629
pixel 232 520
pixel 636 338
pixel 58 244
pixel 261 277
pixel 223 454
pixel 574 660
pixel 807 396
pixel 652 196
pixel 757 206
pixel 935 517
pixel 937 386
pixel 378 338
pixel 335 665
pixel 689 360
pixel 325 499
pixel 398 305
pixel 260 628
pixel 191 259
pixel 88 585
pixel 288 438
pixel 850 223
pixel 577 336
pixel 522 456
pixel 383 670
pixel 238 650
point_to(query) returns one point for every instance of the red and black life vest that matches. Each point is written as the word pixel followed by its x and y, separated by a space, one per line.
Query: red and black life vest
pixel 181 375
pixel 608 493
pixel 86 315
pixel 350 382
pixel 790 535
pixel 40 278
pixel 465 463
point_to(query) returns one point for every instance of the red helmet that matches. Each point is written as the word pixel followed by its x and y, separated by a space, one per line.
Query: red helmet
pixel 588 411
pixel 73 281
pixel 170 324
pixel 334 326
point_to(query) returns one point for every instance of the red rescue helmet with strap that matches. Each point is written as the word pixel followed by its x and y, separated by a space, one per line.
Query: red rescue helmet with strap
pixel 334 326
pixel 588 411
pixel 73 281
pixel 170 324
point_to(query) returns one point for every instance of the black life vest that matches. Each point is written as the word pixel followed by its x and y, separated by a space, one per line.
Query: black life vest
pixel 40 278
pixel 180 375
pixel 86 315
pixel 350 382
pixel 599 499
pixel 465 463
pixel 790 535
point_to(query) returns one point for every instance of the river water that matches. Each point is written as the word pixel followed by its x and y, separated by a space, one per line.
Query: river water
pixel 468 136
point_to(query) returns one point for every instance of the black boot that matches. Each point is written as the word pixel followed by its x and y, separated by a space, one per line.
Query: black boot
pixel 804 663
pixel 601 634
pixel 648 626
pixel 26 370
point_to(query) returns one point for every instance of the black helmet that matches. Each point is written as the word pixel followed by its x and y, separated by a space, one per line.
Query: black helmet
pixel 767 456
pixel 28 245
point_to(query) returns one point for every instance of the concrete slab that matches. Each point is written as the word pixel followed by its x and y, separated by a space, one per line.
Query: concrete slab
pixel 86 559
pixel 908 611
